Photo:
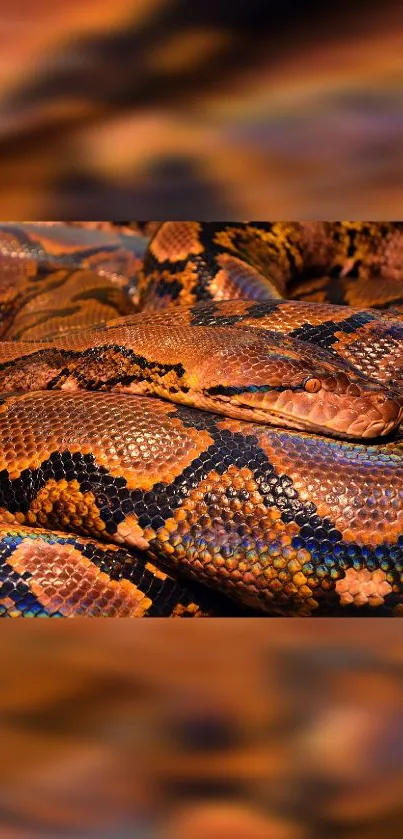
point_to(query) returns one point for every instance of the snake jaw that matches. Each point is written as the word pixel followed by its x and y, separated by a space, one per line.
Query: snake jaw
pixel 340 407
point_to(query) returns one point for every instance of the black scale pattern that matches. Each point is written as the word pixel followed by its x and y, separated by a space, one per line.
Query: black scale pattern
pixel 114 500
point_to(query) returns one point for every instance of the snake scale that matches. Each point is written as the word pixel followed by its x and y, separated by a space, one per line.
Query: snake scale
pixel 203 422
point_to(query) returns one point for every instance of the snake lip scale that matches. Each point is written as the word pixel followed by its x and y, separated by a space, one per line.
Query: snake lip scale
pixel 210 425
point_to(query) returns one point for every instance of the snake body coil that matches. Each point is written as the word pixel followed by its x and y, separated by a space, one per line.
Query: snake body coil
pixel 212 429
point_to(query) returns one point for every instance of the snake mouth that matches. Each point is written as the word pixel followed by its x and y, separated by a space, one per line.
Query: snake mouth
pixel 358 430
pixel 365 413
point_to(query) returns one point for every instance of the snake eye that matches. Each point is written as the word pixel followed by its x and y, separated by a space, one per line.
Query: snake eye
pixel 312 385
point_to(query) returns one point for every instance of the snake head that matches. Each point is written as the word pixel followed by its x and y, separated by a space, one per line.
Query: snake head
pixel 286 382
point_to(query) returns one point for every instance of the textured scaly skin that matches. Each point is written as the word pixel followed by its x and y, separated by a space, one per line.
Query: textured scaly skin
pixel 114 503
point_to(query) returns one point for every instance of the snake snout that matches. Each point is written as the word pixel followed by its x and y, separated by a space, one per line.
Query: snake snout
pixel 371 411
pixel 390 408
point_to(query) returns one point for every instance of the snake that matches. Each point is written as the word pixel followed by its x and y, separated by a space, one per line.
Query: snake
pixel 201 419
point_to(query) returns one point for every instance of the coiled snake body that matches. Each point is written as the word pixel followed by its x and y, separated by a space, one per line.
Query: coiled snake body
pixel 211 430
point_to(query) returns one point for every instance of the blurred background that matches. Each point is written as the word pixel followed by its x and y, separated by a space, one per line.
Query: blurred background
pixel 210 109
pixel 229 109
pixel 249 729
